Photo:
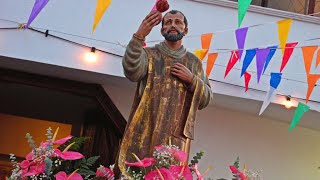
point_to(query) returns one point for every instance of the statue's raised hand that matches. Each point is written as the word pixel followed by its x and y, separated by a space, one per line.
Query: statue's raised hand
pixel 151 20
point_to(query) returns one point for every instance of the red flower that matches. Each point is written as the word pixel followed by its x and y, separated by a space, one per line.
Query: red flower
pixel 146 162
pixel 161 174
pixel 34 170
pixel 57 142
pixel 181 171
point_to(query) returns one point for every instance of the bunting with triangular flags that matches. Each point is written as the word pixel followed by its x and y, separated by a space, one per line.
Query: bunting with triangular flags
pixel 283 32
pixel 300 110
pixel 210 62
pixel 274 83
pixel 243 6
pixel 201 53
pixel 287 54
pixel 241 35
pixel 232 61
pixel 308 52
pixel 261 58
pixel 206 40
pixel 312 81
pixel 37 7
pixel 250 53
pixel 247 78
pixel 101 7
pixel 273 50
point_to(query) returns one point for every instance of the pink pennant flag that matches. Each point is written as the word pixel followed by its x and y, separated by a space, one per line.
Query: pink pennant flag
pixel 287 54
pixel 37 7
pixel 247 78
pixel 232 61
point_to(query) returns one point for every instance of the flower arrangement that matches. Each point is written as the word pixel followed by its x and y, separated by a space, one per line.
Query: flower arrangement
pixel 57 159
pixel 60 160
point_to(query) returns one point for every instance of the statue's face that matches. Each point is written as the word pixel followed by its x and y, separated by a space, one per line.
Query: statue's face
pixel 173 27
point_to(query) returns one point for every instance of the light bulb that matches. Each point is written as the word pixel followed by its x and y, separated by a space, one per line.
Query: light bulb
pixel 288 103
pixel 91 56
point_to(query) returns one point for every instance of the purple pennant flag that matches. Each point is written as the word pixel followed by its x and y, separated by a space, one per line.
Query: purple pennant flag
pixel 261 58
pixel 37 7
pixel 241 35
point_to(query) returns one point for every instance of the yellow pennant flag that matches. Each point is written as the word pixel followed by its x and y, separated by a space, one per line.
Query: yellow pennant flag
pixel 283 32
pixel 101 7
pixel 201 53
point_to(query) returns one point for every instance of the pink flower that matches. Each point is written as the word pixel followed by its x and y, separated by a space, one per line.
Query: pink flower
pixel 146 162
pixel 161 174
pixel 199 176
pixel 234 170
pixel 177 154
pixel 30 156
pixel 34 170
pixel 177 172
pixel 24 164
pixel 57 142
pixel 104 172
pixel 63 176
pixel 68 155
pixel 180 155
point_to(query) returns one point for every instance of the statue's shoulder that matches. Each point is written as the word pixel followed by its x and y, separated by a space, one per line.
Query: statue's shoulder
pixel 193 57
pixel 152 51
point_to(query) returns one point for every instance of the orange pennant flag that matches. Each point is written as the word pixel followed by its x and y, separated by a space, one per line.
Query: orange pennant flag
pixel 312 80
pixel 101 7
pixel 308 52
pixel 201 53
pixel 283 32
pixel 206 40
pixel 210 62
pixel 318 59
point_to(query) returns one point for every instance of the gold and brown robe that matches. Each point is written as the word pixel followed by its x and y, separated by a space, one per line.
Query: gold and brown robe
pixel 163 106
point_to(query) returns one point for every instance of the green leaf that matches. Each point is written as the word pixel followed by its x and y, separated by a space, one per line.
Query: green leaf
pixel 92 160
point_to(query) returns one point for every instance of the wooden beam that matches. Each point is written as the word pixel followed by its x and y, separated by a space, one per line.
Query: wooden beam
pixel 311 7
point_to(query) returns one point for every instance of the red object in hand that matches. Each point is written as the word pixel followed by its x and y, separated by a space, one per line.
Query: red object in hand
pixel 162 5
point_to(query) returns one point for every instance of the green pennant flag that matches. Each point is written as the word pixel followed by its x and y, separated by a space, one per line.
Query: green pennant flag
pixel 243 6
pixel 301 109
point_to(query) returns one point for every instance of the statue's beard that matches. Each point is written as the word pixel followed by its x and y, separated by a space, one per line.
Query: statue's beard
pixel 173 37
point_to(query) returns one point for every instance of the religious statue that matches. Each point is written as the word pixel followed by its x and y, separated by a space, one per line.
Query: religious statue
pixel 171 87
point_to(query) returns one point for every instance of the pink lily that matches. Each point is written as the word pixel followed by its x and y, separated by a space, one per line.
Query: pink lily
pixel 24 164
pixel 181 171
pixel 68 155
pixel 178 154
pixel 34 170
pixel 105 172
pixel 234 170
pixel 160 174
pixel 146 162
pixel 63 176
pixel 57 142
